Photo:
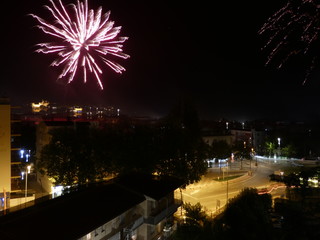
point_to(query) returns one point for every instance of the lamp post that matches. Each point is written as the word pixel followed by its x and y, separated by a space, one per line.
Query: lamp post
pixel 227 196
pixel 279 143
pixel 227 192
pixel 166 228
pixel 26 187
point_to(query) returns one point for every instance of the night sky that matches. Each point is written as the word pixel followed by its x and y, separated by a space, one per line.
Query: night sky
pixel 207 52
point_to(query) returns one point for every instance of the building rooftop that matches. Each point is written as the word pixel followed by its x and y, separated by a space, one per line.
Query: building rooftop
pixel 149 185
pixel 75 214
pixel 70 216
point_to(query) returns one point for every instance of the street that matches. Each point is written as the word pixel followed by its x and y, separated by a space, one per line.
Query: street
pixel 213 194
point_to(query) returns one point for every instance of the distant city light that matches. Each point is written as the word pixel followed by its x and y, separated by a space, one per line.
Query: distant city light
pixel 37 107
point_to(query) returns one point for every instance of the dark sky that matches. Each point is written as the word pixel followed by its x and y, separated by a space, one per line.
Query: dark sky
pixel 207 52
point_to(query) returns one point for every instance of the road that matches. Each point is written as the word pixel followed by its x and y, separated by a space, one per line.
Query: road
pixel 213 195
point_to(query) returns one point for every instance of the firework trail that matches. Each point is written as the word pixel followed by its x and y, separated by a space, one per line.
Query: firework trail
pixel 85 37
pixel 294 29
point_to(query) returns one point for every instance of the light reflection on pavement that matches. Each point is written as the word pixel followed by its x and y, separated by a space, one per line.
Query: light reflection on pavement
pixel 213 194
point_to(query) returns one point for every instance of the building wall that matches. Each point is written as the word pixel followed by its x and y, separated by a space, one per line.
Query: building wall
pixel 5 148
pixel 16 160
pixel 134 224
pixel 129 223
pixel 259 139
pixel 242 136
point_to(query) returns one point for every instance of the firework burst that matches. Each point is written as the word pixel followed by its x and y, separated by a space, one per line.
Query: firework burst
pixel 86 37
pixel 294 29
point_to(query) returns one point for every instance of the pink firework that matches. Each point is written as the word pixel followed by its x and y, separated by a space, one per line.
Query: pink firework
pixel 86 36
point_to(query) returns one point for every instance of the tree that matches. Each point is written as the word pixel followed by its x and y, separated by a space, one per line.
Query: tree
pixel 67 158
pixel 195 215
pixel 288 151
pixel 83 154
pixel 270 147
pixel 197 224
pixel 139 150
pixel 247 216
pixel 182 152
pixel 220 150
pixel 241 150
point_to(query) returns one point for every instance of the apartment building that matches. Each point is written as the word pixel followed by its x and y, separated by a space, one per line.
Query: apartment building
pixel 138 207
pixel 10 163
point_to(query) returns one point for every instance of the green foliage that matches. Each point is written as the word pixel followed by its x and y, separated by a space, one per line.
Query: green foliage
pixel 67 158
pixel 195 215
pixel 246 216
pixel 288 151
pixel 197 224
pixel 293 179
pixel 270 147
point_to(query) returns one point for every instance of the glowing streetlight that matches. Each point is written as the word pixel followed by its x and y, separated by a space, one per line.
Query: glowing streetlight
pixel 25 154
pixel 26 187
pixel 279 144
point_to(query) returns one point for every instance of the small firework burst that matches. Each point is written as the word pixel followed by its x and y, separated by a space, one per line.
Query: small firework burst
pixel 294 30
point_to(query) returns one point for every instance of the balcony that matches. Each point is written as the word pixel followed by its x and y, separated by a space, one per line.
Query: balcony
pixel 129 223
pixel 166 212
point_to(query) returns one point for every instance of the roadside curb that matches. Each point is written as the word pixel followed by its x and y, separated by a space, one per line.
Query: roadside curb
pixel 246 175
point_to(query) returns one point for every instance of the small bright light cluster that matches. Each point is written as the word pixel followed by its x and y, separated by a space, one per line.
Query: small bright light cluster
pixel 294 29
pixel 85 37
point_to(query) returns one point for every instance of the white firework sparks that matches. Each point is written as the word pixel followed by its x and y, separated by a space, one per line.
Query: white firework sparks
pixel 84 36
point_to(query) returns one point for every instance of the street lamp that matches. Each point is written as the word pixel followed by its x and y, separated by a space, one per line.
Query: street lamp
pixel 166 228
pixel 279 144
pixel 26 187
pixel 25 154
